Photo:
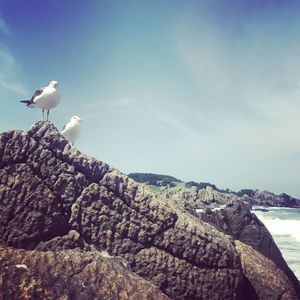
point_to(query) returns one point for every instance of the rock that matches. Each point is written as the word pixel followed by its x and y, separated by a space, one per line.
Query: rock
pixel 260 209
pixel 238 221
pixel 69 274
pixel 53 197
pixel 263 274
pixel 265 198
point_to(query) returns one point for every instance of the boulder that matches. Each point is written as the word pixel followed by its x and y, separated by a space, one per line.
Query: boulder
pixel 53 197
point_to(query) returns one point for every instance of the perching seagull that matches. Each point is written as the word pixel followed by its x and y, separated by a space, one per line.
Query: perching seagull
pixel 45 98
pixel 71 130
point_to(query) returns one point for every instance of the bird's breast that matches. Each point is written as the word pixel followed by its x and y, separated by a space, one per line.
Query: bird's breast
pixel 72 131
pixel 48 99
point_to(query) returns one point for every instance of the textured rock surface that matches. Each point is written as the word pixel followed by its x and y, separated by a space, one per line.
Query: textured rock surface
pixel 237 220
pixel 69 275
pixel 268 281
pixel 52 197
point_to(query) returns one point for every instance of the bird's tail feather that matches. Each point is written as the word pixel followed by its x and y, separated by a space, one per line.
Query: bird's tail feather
pixel 29 103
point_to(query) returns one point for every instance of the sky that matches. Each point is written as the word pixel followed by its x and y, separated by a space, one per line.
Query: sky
pixel 204 90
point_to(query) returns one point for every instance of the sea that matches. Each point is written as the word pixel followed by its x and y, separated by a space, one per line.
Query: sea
pixel 284 225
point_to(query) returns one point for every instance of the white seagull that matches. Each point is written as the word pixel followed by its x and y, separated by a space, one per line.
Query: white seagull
pixel 71 130
pixel 45 98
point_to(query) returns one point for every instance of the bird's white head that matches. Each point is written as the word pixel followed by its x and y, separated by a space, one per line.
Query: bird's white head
pixel 76 119
pixel 53 83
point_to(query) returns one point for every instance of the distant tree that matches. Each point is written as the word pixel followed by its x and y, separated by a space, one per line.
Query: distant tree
pixel 190 184
pixel 154 179
pixel 248 192
pixel 200 185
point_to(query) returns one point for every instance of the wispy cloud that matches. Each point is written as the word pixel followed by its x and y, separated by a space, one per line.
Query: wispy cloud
pixel 13 86
pixel 95 109
pixel 246 74
pixel 121 102
pixel 4 27
pixel 8 80
pixel 249 78
pixel 172 122
pixel 6 58
pixel 239 70
pixel 8 67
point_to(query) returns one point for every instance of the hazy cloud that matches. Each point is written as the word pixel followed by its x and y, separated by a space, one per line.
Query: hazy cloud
pixel 240 75
pixel 247 74
pixel 173 123
pixel 8 80
pixel 4 27
pixel 254 76
pixel 12 86
pixel 6 58
pixel 96 109
pixel 8 67
pixel 121 102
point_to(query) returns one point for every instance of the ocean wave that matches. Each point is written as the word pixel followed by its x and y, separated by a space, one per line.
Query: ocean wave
pixel 274 207
pixel 254 207
pixel 281 227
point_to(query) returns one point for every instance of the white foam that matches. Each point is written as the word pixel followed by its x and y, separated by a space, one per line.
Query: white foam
pixel 200 210
pixel 281 227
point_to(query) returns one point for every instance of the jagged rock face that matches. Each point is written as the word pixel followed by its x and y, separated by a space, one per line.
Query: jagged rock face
pixel 53 197
pixel 69 275
pixel 237 220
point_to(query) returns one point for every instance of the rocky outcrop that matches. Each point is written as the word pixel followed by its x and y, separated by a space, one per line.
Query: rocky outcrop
pixel 237 220
pixel 267 199
pixel 202 195
pixel 199 198
pixel 69 275
pixel 52 197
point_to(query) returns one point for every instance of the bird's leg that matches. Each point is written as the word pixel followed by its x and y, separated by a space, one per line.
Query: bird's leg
pixel 47 114
pixel 43 111
pixel 73 143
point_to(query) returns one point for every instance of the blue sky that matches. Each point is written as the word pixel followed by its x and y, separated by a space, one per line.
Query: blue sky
pixel 201 90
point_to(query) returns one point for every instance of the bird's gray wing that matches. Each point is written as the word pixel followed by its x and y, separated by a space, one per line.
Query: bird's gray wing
pixel 64 127
pixel 37 93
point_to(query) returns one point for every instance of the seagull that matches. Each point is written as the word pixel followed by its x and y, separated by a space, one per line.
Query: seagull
pixel 45 98
pixel 71 130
